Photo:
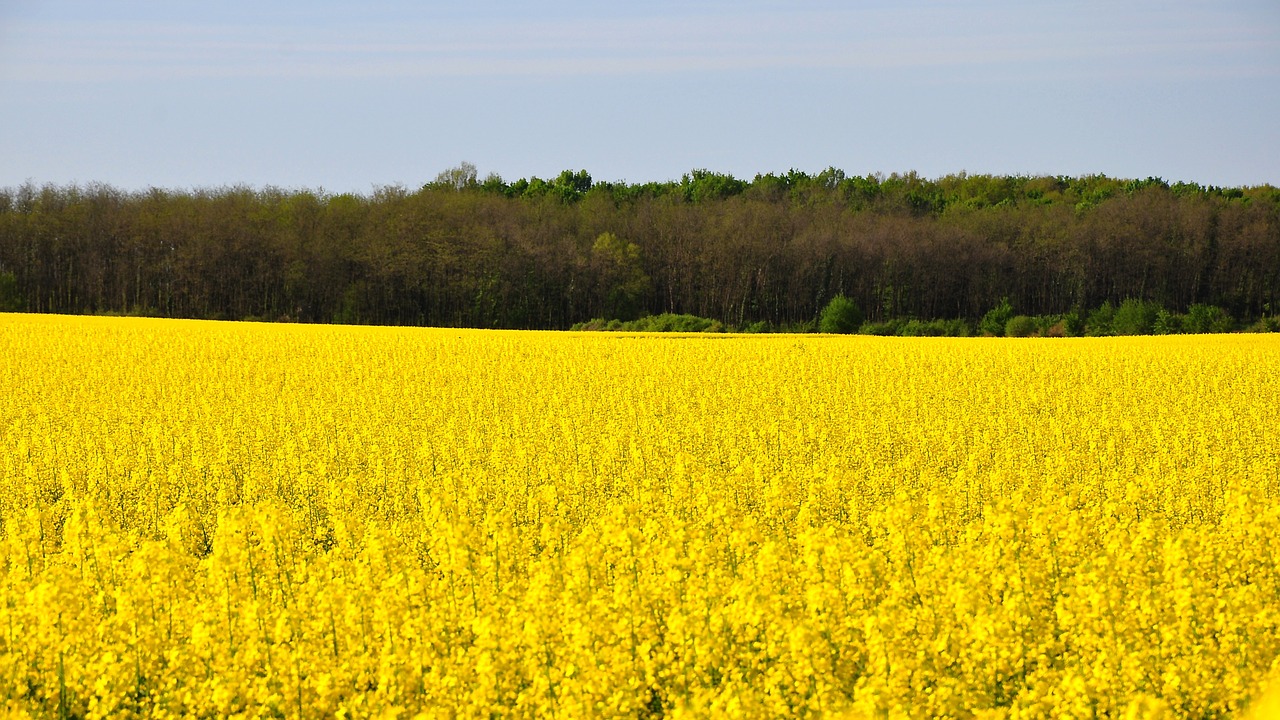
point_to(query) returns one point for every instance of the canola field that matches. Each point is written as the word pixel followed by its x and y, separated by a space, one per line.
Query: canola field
pixel 222 520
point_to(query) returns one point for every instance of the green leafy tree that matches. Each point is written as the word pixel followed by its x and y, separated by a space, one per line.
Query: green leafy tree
pixel 623 281
pixel 704 185
pixel 468 251
pixel 570 186
pixel 997 318
pixel 494 184
pixel 841 316
pixel 462 177
pixel 1167 323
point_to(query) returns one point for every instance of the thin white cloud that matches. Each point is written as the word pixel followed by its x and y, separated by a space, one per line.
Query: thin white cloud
pixel 754 40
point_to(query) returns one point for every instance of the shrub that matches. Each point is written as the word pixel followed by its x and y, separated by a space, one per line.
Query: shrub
pixel 1266 324
pixel 1207 319
pixel 1073 324
pixel 934 328
pixel 1099 322
pixel 808 326
pixel 917 328
pixel 666 322
pixel 1167 323
pixel 1021 326
pixel 886 328
pixel 1135 317
pixel 671 322
pixel 1057 326
pixel 841 316
pixel 994 322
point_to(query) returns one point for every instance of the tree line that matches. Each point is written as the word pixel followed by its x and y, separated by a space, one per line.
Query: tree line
pixel 548 253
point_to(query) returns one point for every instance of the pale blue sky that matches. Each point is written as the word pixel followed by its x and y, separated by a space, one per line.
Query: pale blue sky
pixel 351 96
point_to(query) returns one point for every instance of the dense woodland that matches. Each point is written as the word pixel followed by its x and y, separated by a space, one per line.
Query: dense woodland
pixel 773 251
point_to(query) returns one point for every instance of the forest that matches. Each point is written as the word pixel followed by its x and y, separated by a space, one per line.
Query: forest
pixel 768 253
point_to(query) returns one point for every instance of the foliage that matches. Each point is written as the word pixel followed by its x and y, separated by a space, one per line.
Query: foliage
pixel 11 299
pixel 1269 323
pixel 1073 323
pixel 1020 326
pixel 705 186
pixel 462 177
pixel 1167 323
pixel 920 328
pixel 350 310
pixel 884 328
pixel 841 316
pixel 217 520
pixel 1100 320
pixel 997 319
pixel 931 328
pixel 623 280
pixel 666 322
pixel 957 327
pixel 1135 317
pixel 462 251
pixel 1201 318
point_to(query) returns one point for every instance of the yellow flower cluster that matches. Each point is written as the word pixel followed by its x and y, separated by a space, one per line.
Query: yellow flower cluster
pixel 211 519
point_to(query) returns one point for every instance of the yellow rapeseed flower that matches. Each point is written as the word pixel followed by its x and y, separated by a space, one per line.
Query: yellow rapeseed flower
pixel 245 520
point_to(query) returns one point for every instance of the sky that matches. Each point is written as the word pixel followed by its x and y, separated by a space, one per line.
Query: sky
pixel 350 97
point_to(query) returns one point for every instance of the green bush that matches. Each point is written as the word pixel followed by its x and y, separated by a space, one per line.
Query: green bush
pixel 1021 326
pixel 1207 319
pixel 671 322
pixel 808 326
pixel 994 322
pixel 1099 322
pixel 1057 326
pixel 919 328
pixel 958 327
pixel 883 329
pixel 1167 323
pixel 840 316
pixel 1266 324
pixel 1073 324
pixel 666 322
pixel 1135 317
pixel 934 328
